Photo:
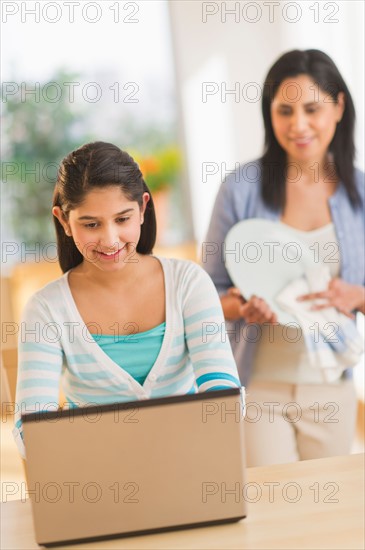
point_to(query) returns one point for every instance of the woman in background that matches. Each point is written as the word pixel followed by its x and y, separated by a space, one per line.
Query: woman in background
pixel 307 181
pixel 120 324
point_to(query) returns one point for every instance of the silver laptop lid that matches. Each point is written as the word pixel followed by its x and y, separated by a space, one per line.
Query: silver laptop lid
pixel 104 471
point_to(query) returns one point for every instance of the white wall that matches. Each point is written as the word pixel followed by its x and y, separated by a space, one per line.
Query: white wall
pixel 236 50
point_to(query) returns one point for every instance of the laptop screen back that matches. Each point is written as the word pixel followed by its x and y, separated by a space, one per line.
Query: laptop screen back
pixel 112 470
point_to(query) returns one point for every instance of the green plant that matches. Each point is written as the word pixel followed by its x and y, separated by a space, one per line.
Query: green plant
pixel 38 134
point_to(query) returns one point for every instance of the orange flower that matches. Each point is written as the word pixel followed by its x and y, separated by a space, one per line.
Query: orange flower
pixel 161 168
pixel 149 165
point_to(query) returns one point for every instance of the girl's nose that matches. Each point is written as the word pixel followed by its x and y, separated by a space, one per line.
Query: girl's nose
pixel 109 239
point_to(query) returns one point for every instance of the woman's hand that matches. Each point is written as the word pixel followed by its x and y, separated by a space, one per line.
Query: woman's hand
pixel 341 295
pixel 255 310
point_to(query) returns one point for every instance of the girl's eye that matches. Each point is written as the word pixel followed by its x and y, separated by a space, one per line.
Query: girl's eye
pixel 284 112
pixel 93 225
pixel 312 109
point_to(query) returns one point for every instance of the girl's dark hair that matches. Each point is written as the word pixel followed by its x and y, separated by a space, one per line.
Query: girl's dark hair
pixel 322 70
pixel 94 166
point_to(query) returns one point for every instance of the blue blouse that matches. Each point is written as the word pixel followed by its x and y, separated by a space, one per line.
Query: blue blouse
pixel 135 353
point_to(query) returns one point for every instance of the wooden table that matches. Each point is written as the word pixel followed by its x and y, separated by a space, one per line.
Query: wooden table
pixel 310 504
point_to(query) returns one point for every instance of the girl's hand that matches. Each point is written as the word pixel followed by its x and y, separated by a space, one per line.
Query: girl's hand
pixel 345 297
pixel 255 310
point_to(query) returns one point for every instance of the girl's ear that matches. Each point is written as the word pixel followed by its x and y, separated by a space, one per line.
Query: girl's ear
pixel 145 199
pixel 58 213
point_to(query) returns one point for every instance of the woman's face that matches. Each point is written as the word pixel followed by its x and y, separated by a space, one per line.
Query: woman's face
pixel 304 119
pixel 106 227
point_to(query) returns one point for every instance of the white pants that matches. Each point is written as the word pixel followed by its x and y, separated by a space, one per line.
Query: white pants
pixel 290 422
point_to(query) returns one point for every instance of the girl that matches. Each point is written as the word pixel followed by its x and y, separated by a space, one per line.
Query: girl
pixel 120 324
pixel 308 182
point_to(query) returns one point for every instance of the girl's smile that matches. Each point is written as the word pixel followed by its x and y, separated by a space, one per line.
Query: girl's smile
pixel 110 255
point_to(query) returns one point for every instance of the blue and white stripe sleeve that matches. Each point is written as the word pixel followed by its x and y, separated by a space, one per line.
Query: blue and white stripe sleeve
pixel 40 361
pixel 205 335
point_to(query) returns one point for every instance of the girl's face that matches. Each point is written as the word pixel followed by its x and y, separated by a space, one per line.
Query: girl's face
pixel 304 119
pixel 106 227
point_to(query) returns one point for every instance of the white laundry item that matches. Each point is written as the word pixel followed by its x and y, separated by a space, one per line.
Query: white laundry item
pixel 334 344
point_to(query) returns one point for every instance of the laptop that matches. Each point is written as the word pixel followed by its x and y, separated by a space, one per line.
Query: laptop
pixel 106 471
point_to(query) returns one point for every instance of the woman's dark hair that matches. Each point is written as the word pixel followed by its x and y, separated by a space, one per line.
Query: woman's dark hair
pixel 322 70
pixel 94 166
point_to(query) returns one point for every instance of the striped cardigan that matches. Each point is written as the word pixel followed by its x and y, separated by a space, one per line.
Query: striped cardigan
pixel 55 345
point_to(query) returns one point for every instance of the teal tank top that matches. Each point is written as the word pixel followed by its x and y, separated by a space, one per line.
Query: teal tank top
pixel 135 353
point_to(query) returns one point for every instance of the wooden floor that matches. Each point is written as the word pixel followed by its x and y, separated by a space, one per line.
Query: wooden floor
pixel 12 474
